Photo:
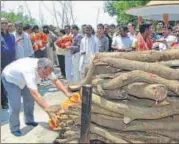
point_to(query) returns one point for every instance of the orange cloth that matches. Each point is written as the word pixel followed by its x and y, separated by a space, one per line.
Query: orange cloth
pixel 141 44
pixel 75 98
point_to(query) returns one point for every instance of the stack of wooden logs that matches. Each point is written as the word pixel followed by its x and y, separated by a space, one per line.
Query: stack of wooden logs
pixel 135 99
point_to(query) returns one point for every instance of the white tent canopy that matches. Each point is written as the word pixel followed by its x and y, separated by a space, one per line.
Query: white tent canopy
pixel 154 10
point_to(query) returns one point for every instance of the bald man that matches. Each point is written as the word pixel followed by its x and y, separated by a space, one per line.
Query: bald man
pixel 7 54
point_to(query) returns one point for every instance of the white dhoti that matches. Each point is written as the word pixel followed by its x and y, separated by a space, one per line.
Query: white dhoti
pixel 75 67
pixel 68 66
pixel 49 53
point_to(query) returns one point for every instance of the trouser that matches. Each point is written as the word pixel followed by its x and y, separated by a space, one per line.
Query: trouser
pixel 61 60
pixel 14 100
pixel 39 53
pixel 4 100
pixel 55 58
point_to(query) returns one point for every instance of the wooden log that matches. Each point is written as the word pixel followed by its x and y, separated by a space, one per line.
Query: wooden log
pixel 153 125
pixel 94 110
pixel 138 125
pixel 62 141
pixel 155 68
pixel 118 94
pixel 98 110
pixel 145 56
pixel 86 94
pixel 131 112
pixel 170 134
pixel 134 137
pixel 108 122
pixel 104 133
pixel 105 70
pixel 155 92
pixel 171 63
pixel 95 137
pixel 140 76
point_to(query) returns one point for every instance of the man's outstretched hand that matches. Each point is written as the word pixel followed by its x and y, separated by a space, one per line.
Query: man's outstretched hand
pixel 54 118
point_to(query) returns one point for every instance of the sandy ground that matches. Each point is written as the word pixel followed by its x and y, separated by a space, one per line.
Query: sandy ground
pixel 39 134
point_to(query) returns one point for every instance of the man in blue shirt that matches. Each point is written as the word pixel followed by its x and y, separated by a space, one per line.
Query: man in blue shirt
pixel 7 54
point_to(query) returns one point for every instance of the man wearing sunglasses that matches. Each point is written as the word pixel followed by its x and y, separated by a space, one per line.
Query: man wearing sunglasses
pixel 21 78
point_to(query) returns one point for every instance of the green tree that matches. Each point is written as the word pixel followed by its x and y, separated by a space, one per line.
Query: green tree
pixel 118 8
pixel 13 17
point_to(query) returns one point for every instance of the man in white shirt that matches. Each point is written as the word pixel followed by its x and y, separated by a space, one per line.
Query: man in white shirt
pixel 23 44
pixel 22 77
pixel 166 40
pixel 122 42
pixel 88 47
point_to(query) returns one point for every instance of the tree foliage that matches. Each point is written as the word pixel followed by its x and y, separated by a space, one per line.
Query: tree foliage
pixel 118 8
pixel 13 17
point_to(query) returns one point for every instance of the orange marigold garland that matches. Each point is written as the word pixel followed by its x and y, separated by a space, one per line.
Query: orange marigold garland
pixel 75 98
pixel 64 42
pixel 39 40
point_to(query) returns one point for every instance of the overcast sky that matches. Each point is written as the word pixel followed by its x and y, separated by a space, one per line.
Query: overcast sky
pixel 85 12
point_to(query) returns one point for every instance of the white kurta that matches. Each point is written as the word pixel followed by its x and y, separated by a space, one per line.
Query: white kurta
pixel 75 67
pixel 88 45
pixel 68 65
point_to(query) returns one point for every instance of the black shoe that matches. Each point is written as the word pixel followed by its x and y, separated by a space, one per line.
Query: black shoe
pixel 32 124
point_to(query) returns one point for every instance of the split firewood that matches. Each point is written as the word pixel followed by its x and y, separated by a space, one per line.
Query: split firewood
pixel 104 133
pixel 140 76
pixel 145 56
pixel 155 68
pixel 131 112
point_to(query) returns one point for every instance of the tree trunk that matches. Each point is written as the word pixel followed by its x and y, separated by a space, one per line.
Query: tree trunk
pixel 117 94
pixel 145 56
pixel 155 92
pixel 173 135
pixel 171 63
pixel 141 138
pixel 104 133
pixel 155 68
pixel 131 112
pixel 140 76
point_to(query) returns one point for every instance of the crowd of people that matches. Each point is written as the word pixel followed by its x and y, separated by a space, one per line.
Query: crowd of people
pixel 19 41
